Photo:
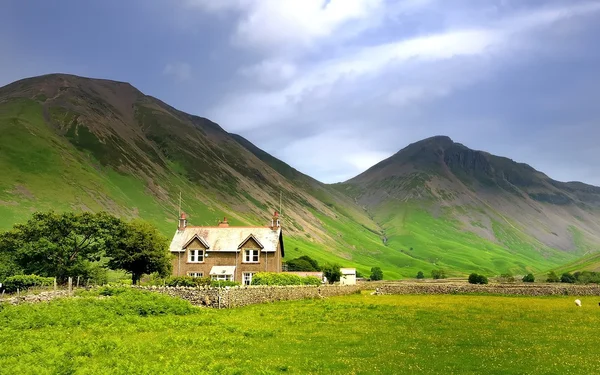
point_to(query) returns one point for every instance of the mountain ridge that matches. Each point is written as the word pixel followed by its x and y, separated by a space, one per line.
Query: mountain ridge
pixel 72 143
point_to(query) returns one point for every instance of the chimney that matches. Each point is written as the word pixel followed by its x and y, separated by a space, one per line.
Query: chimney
pixel 224 223
pixel 275 223
pixel 182 222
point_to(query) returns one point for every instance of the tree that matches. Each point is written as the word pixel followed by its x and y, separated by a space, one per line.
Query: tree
pixel 332 273
pixel 567 278
pixel 438 274
pixel 529 278
pixel 552 277
pixel 376 274
pixel 420 275
pixel 139 249
pixel 477 279
pixel 59 245
pixel 303 263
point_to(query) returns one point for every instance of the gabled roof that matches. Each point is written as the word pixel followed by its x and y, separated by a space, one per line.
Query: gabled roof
pixel 246 240
pixel 228 238
pixel 196 237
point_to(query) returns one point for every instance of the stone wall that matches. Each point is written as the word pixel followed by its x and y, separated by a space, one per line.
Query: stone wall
pixel 249 295
pixel 34 298
pixel 502 289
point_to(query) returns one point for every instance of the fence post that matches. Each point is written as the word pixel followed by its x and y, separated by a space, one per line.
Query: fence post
pixel 55 284
pixel 70 286
pixel 78 281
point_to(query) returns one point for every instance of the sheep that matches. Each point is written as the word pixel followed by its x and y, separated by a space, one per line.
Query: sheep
pixel 578 302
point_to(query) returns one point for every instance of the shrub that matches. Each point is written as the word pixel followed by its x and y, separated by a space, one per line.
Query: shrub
pixel 587 277
pixel 187 281
pixel 271 278
pixel 529 278
pixel 24 282
pixel 552 277
pixel 376 274
pixel 303 263
pixel 420 275
pixel 567 278
pixel 507 278
pixel 438 274
pixel 332 273
pixel 477 279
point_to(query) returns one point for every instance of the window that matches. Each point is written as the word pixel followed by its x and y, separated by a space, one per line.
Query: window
pixel 195 274
pixel 251 256
pixel 248 278
pixel 196 256
pixel 222 277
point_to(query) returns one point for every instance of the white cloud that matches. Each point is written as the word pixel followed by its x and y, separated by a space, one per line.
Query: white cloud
pixel 180 70
pixel 270 72
pixel 291 24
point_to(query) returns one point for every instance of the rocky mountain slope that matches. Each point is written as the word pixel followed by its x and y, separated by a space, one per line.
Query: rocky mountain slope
pixel 73 143
pixel 508 203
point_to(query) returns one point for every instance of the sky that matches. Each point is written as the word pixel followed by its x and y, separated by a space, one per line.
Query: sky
pixel 334 86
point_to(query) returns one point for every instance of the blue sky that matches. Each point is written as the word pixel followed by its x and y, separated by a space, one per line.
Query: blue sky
pixel 332 87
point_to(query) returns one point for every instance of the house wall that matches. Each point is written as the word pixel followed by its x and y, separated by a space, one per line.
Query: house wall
pixel 348 280
pixel 268 262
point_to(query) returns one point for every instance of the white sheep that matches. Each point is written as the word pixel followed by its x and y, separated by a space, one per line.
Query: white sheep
pixel 578 302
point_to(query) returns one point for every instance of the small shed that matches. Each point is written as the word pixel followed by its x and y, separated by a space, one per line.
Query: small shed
pixel 348 276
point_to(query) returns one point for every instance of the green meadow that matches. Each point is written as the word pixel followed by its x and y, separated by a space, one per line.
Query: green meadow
pixel 134 332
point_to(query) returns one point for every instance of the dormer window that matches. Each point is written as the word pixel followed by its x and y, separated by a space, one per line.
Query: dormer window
pixel 251 256
pixel 196 256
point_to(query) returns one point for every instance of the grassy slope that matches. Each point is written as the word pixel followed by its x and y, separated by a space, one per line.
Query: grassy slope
pixel 138 333
pixel 587 263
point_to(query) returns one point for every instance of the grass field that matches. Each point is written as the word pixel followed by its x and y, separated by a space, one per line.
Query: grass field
pixel 142 333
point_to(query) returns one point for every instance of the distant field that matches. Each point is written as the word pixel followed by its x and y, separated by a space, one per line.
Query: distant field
pixel 142 333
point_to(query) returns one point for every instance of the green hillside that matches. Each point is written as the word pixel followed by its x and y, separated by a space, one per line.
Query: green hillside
pixel 72 143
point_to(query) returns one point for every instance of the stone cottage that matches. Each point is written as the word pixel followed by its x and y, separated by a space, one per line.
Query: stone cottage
pixel 226 252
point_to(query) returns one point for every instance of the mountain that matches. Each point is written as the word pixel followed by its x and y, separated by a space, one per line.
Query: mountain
pixel 440 198
pixel 74 143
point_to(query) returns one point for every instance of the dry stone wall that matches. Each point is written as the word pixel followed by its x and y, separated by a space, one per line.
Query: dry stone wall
pixel 249 295
pixel 502 289
pixel 35 298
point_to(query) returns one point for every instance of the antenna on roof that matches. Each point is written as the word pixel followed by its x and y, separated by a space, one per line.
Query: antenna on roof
pixel 179 214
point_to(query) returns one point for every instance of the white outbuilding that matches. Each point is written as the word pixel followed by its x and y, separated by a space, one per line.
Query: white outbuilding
pixel 348 276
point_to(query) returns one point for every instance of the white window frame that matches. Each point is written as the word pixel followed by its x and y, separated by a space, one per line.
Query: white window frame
pixel 195 274
pixel 222 277
pixel 250 255
pixel 194 255
pixel 247 278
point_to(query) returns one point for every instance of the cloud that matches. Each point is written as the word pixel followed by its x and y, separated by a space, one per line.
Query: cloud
pixel 180 70
pixel 375 73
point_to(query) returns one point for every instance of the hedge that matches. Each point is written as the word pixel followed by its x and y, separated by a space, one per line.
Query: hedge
pixel 281 279
pixel 24 282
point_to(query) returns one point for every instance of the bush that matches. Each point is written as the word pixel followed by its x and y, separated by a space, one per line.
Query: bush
pixel 529 278
pixel 438 274
pixel 223 283
pixel 24 282
pixel 271 278
pixel 552 277
pixel 376 274
pixel 332 273
pixel 587 277
pixel 507 278
pixel 420 275
pixel 477 279
pixel 187 281
pixel 567 278
pixel 303 263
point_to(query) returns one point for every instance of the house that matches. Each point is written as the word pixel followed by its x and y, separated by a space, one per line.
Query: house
pixel 225 252
pixel 348 276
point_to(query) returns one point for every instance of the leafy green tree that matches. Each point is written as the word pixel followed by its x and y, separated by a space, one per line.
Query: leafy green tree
pixel 59 245
pixel 477 279
pixel 139 249
pixel 552 277
pixel 567 278
pixel 332 273
pixel 376 274
pixel 529 278
pixel 303 263
pixel 438 274
pixel 420 275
